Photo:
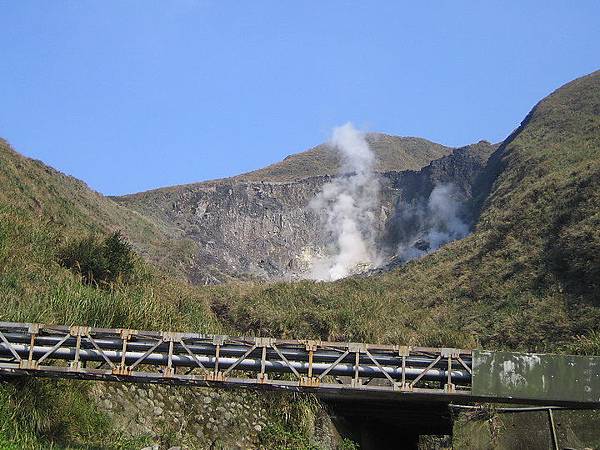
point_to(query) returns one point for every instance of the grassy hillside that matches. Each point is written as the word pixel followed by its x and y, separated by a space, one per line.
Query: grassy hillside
pixel 72 206
pixel 34 287
pixel 393 153
pixel 41 211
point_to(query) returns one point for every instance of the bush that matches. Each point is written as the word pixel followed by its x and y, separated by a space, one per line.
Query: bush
pixel 101 262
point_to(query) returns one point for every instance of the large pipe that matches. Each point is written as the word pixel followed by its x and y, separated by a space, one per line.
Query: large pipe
pixel 249 364
pixel 231 350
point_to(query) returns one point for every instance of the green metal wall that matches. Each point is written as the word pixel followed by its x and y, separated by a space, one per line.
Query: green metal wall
pixel 530 376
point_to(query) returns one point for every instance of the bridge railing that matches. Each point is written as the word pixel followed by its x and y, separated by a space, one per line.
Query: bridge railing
pixel 198 359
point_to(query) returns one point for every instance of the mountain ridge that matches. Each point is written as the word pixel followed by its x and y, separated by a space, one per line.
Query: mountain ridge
pixel 323 161
pixel 392 153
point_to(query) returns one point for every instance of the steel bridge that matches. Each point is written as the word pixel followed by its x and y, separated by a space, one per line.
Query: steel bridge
pixel 331 370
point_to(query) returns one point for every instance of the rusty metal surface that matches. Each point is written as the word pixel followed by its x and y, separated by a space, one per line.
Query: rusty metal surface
pixel 551 378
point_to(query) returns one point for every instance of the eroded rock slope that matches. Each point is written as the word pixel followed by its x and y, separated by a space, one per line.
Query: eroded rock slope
pixel 257 225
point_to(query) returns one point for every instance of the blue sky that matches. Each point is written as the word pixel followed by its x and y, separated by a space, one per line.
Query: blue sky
pixel 131 95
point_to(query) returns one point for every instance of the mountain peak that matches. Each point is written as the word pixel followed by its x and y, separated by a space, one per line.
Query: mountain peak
pixel 393 153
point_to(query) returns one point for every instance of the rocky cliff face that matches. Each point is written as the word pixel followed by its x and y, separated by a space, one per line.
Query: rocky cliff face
pixel 265 229
pixel 459 177
pixel 461 168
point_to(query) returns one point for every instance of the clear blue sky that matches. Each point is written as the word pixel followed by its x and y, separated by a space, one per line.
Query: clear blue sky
pixel 130 95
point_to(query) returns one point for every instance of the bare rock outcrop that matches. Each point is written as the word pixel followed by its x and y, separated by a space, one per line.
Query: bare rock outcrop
pixel 265 229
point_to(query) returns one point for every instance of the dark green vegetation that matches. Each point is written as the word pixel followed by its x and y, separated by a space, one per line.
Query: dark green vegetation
pixel 526 279
pixel 101 262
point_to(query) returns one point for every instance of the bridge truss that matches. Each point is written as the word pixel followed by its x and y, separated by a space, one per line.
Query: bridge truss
pixel 325 368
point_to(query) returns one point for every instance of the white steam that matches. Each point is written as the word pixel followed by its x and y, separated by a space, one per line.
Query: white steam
pixel 435 224
pixel 347 207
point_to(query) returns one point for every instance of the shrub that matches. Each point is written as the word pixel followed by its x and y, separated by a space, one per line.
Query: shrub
pixel 101 262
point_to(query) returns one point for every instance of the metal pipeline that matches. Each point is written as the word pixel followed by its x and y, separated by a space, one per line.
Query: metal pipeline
pixel 231 350
pixel 248 364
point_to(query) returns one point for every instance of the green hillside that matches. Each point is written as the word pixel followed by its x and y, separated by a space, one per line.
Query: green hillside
pixel 393 153
pixel 70 205
pixel 41 212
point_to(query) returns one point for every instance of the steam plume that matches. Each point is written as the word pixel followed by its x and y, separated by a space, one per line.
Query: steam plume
pixel 347 207
pixel 431 225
